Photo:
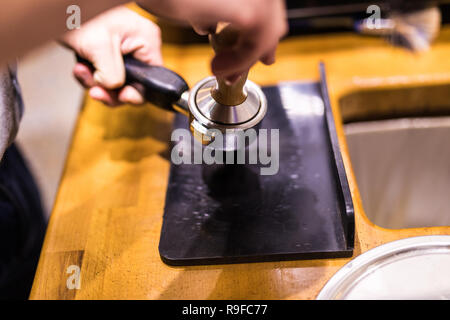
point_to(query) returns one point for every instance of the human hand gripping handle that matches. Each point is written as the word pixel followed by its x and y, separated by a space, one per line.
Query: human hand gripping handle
pixel 103 41
pixel 157 84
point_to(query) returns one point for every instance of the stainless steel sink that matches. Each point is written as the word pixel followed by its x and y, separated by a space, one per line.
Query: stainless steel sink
pixel 402 165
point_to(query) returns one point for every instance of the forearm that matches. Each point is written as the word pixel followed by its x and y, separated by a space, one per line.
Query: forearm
pixel 234 11
pixel 24 24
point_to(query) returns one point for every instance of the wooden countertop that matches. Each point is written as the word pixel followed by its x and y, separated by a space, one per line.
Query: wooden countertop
pixel 108 212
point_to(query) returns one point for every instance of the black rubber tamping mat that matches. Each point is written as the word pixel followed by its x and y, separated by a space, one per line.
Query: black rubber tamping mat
pixel 216 214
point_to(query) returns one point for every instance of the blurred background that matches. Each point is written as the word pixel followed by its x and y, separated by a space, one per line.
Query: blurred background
pixel 52 100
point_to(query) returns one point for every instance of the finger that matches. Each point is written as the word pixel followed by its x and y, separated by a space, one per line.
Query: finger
pixel 145 45
pixel 250 49
pixel 204 29
pixel 269 57
pixel 108 62
pixel 130 94
pixel 150 56
pixel 84 75
pixel 233 78
pixel 106 96
pixel 228 63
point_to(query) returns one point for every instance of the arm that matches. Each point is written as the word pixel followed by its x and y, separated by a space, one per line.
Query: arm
pixel 24 24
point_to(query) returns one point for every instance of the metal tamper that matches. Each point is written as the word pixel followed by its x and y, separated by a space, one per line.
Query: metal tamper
pixel 216 104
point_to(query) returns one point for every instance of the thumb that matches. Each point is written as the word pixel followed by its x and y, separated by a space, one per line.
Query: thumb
pixel 108 62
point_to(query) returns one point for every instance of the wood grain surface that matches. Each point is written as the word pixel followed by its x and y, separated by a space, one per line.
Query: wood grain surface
pixel 108 213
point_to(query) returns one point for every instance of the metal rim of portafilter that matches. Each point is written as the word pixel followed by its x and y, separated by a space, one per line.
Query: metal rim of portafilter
pixel 206 113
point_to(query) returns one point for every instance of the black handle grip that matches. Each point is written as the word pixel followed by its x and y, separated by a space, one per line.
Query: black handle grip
pixel 162 86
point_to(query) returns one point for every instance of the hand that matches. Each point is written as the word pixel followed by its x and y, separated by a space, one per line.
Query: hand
pixel 103 41
pixel 261 24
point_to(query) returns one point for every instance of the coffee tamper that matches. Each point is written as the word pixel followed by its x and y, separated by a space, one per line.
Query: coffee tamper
pixel 216 104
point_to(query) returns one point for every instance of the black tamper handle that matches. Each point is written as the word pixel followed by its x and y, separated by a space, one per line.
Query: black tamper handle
pixel 162 86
